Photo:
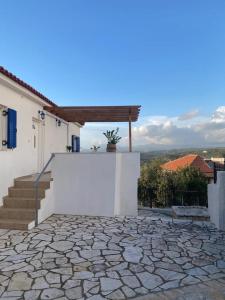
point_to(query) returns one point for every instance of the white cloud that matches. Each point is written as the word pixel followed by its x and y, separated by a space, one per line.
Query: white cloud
pixel 219 115
pixel 174 132
pixel 168 133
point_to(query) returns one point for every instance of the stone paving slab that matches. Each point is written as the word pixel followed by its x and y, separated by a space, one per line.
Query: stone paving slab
pixel 78 257
pixel 209 290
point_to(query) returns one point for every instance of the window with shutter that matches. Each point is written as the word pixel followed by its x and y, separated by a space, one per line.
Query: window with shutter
pixel 75 143
pixel 12 129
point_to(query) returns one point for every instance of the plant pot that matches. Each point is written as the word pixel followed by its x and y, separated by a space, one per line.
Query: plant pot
pixel 111 148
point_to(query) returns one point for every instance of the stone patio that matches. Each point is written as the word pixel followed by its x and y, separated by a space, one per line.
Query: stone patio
pixel 75 257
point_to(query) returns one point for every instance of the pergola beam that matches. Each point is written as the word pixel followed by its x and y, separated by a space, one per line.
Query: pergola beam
pixel 96 113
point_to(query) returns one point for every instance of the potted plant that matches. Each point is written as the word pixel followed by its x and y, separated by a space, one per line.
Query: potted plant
pixel 95 148
pixel 113 139
pixel 69 148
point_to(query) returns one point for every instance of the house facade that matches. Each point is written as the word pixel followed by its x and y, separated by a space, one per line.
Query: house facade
pixel 38 175
pixel 28 133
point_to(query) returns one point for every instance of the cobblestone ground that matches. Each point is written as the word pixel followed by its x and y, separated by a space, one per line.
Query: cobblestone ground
pixel 74 257
pixel 209 290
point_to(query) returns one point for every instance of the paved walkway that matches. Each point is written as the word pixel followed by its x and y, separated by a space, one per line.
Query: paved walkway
pixel 209 290
pixel 69 257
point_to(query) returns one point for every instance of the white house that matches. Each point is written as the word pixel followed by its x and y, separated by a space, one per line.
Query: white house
pixel 28 135
pixel 32 127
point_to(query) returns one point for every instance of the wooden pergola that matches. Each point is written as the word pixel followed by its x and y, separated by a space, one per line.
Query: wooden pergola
pixel 83 114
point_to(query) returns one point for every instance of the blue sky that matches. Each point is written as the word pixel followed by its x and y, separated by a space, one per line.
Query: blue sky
pixel 168 56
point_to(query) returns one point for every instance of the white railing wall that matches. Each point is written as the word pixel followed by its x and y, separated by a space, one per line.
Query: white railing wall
pixel 96 184
pixel 216 201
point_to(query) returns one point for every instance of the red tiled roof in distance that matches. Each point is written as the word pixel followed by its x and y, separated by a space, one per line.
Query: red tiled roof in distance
pixel 25 85
pixel 191 160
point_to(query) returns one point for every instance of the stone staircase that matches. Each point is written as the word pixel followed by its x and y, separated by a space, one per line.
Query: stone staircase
pixel 18 210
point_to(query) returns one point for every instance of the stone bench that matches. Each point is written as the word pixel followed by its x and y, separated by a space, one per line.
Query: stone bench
pixel 194 213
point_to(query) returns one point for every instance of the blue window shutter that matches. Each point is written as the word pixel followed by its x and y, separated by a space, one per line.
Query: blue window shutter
pixel 77 144
pixel 12 129
pixel 73 143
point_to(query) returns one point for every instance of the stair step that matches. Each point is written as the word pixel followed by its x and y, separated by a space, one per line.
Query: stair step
pixel 16 202
pixel 13 213
pixel 16 224
pixel 30 184
pixel 25 192
pixel 18 210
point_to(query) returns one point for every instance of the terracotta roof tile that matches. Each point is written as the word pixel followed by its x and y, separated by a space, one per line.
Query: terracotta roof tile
pixel 25 85
pixel 191 160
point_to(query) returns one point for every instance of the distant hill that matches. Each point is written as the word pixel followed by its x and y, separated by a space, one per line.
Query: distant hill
pixel 175 153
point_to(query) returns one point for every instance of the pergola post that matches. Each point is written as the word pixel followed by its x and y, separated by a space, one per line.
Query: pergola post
pixel 130 134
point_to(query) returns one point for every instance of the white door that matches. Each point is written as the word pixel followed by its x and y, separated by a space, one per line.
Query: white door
pixel 38 144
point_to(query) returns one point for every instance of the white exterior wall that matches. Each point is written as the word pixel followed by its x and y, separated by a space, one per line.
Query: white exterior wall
pixel 23 159
pixel 216 201
pixel 57 138
pixel 129 172
pixel 97 184
pixel 47 204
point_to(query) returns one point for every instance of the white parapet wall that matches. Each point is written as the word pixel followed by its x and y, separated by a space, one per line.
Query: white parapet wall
pixel 216 201
pixel 96 184
pixel 47 204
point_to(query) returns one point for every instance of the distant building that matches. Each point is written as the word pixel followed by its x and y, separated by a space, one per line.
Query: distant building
pixel 220 160
pixel 216 162
pixel 191 160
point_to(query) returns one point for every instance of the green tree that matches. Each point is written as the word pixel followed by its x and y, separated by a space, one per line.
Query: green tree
pixel 166 189
pixel 192 186
pixel 147 185
pixel 160 188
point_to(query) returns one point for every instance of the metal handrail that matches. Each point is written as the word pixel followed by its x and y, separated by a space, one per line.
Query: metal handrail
pixel 36 185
